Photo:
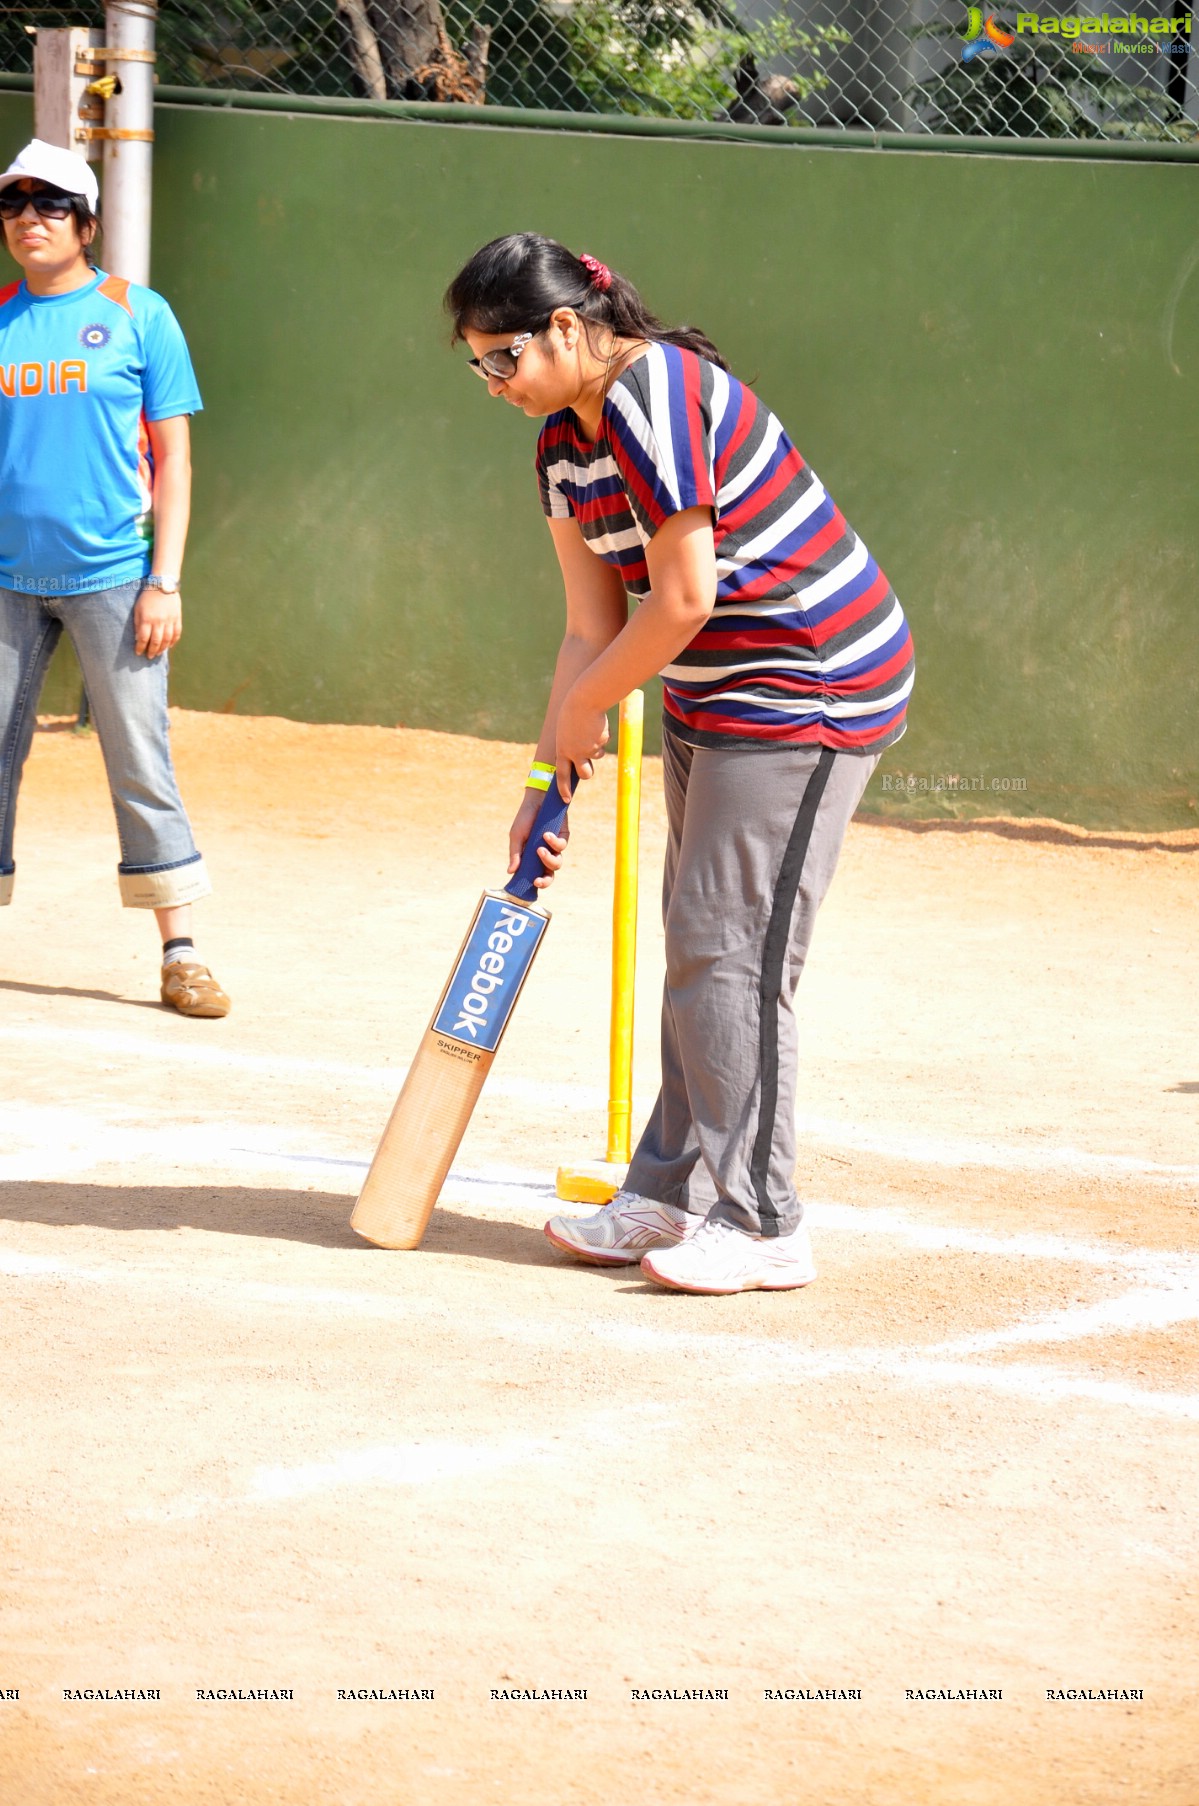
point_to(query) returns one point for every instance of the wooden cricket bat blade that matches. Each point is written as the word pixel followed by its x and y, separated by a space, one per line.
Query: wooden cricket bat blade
pixel 420 1141
pixel 417 1149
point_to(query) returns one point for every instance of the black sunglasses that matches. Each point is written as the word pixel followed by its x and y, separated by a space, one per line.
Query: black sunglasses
pixel 44 204
pixel 501 363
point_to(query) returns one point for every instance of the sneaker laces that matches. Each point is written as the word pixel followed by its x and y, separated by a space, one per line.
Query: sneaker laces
pixel 625 1200
pixel 715 1229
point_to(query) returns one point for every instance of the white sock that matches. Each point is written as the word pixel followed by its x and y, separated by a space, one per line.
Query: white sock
pixel 182 947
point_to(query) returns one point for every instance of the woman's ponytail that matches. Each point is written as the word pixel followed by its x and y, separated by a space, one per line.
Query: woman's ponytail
pixel 514 284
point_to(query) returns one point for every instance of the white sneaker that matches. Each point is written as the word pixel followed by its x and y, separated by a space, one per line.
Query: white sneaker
pixel 719 1258
pixel 619 1234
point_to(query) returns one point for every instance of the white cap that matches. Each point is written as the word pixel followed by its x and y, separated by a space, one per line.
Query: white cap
pixel 44 162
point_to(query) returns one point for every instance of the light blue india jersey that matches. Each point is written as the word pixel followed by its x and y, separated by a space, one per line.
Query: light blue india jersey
pixel 80 376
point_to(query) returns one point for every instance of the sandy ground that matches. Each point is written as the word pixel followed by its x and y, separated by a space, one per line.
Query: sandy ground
pixel 244 1451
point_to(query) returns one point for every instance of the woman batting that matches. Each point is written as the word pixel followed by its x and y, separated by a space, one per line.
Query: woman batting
pixel 787 665
pixel 96 387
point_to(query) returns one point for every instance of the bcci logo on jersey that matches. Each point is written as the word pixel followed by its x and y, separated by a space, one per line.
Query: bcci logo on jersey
pixel 985 35
pixel 487 979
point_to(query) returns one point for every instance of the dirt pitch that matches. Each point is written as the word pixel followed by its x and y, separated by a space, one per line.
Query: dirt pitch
pixel 243 1451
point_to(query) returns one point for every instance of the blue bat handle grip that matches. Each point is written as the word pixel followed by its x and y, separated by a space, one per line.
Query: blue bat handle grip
pixel 551 818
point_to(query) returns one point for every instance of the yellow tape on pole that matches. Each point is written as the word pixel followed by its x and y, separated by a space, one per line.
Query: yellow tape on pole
pixel 624 925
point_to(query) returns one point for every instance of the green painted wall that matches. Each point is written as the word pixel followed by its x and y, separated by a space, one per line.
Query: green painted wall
pixel 993 363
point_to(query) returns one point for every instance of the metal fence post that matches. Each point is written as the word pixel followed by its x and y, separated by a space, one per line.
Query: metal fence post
pixel 128 138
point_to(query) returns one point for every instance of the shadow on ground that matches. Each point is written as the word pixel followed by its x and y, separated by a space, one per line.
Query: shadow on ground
pixel 137 1003
pixel 1048 833
pixel 320 1219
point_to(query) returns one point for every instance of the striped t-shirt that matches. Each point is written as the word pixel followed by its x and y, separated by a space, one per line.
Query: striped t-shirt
pixel 807 643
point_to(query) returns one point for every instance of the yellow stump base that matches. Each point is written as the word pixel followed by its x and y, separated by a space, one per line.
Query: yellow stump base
pixel 590 1181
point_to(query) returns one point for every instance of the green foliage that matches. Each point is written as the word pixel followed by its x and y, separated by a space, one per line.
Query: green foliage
pixel 17 25
pixel 674 58
pixel 1043 89
pixel 295 47
pixel 681 59
pixel 530 63
pixel 670 58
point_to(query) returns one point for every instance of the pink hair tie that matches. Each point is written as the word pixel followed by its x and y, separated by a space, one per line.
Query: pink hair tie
pixel 600 274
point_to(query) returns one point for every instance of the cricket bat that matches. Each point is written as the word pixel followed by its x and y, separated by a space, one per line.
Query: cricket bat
pixel 445 1079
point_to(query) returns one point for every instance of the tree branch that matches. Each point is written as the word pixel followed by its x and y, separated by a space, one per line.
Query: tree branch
pixel 364 48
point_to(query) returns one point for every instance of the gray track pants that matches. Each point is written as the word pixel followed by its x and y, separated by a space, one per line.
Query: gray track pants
pixel 753 842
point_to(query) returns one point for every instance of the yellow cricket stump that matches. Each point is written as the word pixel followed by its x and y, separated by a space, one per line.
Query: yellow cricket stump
pixel 595 1182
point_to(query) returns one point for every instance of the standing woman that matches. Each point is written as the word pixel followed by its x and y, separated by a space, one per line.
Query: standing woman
pixel 96 387
pixel 787 665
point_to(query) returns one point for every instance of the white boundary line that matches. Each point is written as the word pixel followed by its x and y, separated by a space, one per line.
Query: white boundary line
pixel 54 1143
pixel 889 1142
pixel 731 1360
pixel 60 1142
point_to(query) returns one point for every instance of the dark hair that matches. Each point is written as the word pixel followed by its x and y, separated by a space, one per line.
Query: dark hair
pixel 83 216
pixel 515 283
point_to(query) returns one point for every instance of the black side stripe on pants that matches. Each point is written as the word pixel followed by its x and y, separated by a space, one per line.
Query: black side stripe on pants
pixel 770 983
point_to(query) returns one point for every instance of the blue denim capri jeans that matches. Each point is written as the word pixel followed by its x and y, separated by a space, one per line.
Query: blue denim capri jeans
pixel 127 696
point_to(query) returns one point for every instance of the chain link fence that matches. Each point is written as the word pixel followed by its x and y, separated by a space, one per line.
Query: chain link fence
pixel 900 65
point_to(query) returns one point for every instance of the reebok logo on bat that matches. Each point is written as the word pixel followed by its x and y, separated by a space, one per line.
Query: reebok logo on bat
pixel 474 1004
pixel 480 995
pixel 488 975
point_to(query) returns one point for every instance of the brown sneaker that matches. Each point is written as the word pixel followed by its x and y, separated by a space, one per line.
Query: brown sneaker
pixel 191 989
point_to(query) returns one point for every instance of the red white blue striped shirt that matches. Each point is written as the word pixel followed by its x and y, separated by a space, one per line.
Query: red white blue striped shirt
pixel 807 643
